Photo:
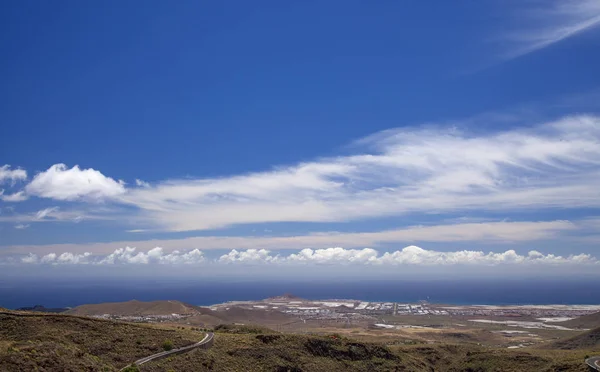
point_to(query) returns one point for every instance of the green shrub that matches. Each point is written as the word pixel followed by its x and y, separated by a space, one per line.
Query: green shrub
pixel 167 345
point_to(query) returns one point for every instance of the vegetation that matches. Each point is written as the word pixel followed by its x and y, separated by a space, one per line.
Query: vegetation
pixel 237 329
pixel 46 342
pixel 131 368
pixel 589 339
pixel 285 352
pixel 68 343
pixel 167 345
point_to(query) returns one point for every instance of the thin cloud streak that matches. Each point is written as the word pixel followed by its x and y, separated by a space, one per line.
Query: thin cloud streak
pixel 552 22
pixel 500 232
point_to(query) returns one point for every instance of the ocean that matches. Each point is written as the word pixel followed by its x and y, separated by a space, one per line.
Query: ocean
pixel 460 292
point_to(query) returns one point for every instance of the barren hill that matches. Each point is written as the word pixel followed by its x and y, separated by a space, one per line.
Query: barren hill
pixel 136 308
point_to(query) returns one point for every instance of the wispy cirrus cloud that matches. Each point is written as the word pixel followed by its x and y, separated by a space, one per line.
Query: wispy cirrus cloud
pixel 543 23
pixel 434 169
pixel 403 171
pixel 411 255
pixel 56 214
pixel 501 232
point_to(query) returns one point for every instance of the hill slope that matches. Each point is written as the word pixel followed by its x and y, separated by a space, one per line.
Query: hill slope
pixel 56 342
pixel 237 351
pixel 136 308
pixel 53 342
pixel 585 321
pixel 197 315
pixel 586 340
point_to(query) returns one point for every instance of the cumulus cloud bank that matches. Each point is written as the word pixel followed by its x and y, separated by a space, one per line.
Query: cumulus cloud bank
pixel 125 255
pixel 411 255
pixel 156 255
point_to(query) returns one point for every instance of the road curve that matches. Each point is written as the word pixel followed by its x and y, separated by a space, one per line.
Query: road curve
pixel 205 343
pixel 593 363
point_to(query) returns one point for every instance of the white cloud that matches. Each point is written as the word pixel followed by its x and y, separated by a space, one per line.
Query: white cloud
pixel 248 256
pixel 551 22
pixel 334 255
pixel 411 255
pixel 49 258
pixel 399 172
pixel 70 258
pixel 31 258
pixel 141 183
pixel 486 231
pixel 15 197
pixel 129 255
pixel 62 183
pixel 55 214
pixel 45 213
pixel 556 164
pixel 54 259
pixel 12 175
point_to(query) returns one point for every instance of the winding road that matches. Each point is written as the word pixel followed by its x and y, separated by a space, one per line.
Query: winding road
pixel 593 363
pixel 205 343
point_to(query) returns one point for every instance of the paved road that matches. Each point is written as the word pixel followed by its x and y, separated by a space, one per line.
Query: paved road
pixel 594 362
pixel 206 342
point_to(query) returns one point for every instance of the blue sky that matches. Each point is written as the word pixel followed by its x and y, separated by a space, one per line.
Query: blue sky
pixel 270 133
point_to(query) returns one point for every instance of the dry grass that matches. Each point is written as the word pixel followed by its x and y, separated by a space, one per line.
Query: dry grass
pixel 42 342
pixel 237 351
pixel 67 343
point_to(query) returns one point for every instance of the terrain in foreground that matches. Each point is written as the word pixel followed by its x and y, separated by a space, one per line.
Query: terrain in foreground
pixel 50 342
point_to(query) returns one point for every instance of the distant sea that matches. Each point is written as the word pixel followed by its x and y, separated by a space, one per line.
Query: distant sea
pixel 73 293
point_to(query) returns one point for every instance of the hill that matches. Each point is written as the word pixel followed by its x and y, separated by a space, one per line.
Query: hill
pixel 56 342
pixel 259 349
pixel 43 309
pixel 586 340
pixel 197 316
pixel 583 322
pixel 138 308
